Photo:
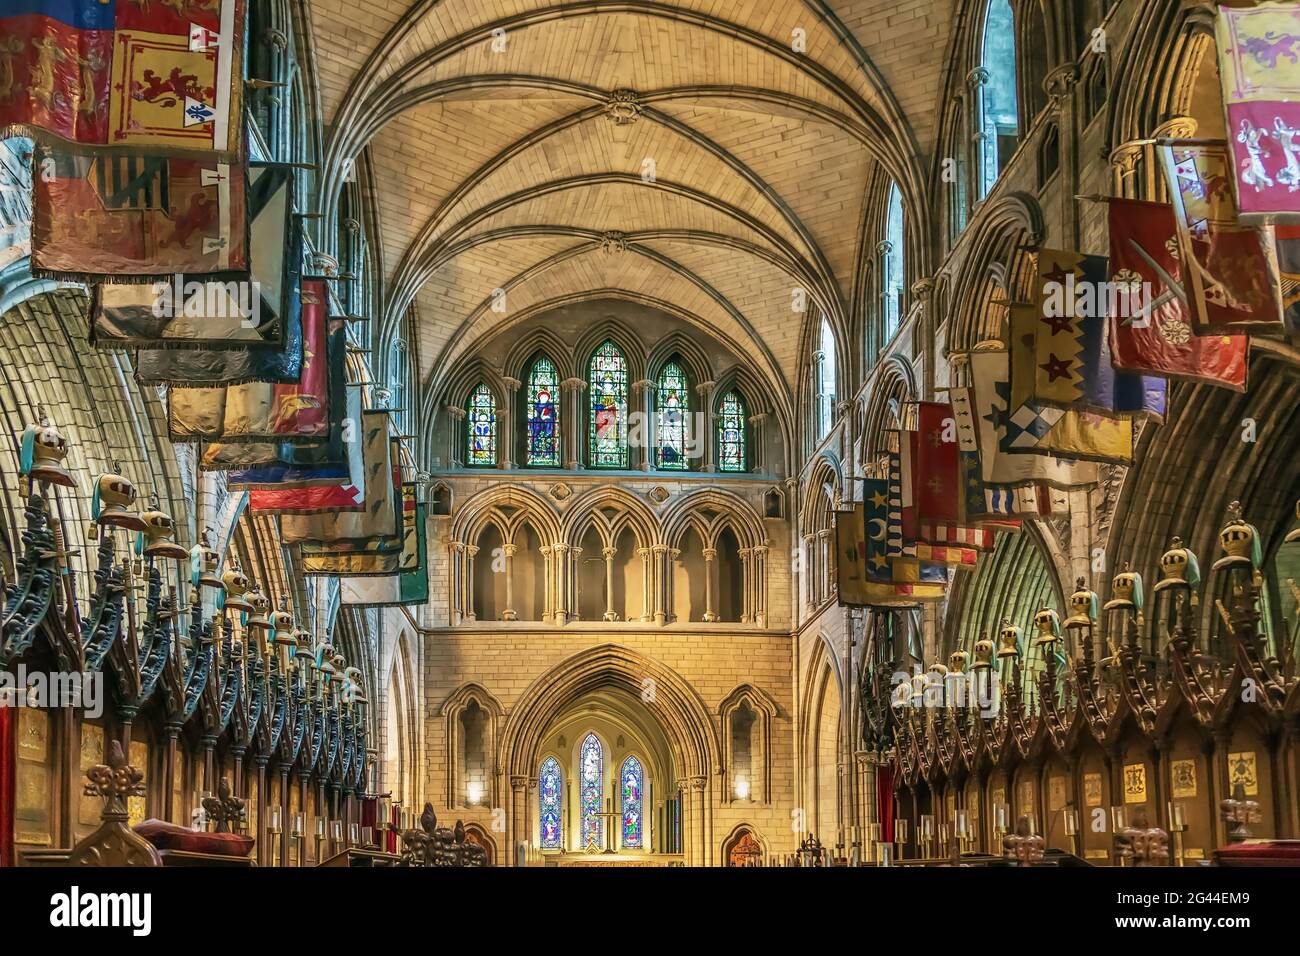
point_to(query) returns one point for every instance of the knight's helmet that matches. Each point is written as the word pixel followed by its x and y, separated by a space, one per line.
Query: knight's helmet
pixel 260 618
pixel 1179 568
pixel 957 662
pixel 238 585
pixel 281 621
pixel 41 453
pixel 111 501
pixel 1048 623
pixel 204 562
pixel 1126 591
pixel 1240 542
pixel 1083 606
pixel 158 540
pixel 983 654
pixel 1008 640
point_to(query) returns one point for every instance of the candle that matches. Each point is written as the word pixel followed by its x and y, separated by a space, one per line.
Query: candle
pixel 354 834
pixel 1071 818
pixel 274 825
pixel 367 836
pixel 299 824
pixel 1117 817
pixel 320 828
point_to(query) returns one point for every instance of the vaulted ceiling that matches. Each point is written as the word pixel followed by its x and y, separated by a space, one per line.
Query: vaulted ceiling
pixel 713 155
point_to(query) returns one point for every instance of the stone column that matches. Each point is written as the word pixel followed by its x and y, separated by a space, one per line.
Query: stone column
pixel 688 820
pixel 571 576
pixel 756 447
pixel 660 584
pixel 747 585
pixel 561 575
pixel 455 434
pixel 809 568
pixel 923 293
pixel 758 570
pixel 710 568
pixel 518 814
pixel 647 585
pixel 509 613
pixel 707 460
pixel 849 446
pixel 548 588
pixel 572 433
pixel 467 576
pixel 1059 84
pixel 823 564
pixel 507 432
pixel 610 613
pixel 702 832
pixel 642 452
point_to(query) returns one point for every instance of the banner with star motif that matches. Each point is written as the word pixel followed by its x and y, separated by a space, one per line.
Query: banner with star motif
pixel 1060 354
pixel 1143 244
pixel 119 215
pixel 1259 67
pixel 987 413
pixel 139 74
pixel 265 411
pixel 1232 267
pixel 875 520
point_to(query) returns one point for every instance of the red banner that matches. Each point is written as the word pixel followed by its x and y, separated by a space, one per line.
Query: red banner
pixel 935 473
pixel 124 72
pixel 1143 236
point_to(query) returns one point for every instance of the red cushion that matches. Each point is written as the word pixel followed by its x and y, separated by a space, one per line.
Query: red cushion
pixel 170 836
pixel 1260 853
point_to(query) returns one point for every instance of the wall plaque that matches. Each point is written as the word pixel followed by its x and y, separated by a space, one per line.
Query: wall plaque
pixel 1092 789
pixel 1183 776
pixel 1135 783
pixel 1242 770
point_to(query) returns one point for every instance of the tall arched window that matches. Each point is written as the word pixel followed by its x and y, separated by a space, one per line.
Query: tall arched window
pixel 999 124
pixel 672 408
pixel 632 777
pixel 607 382
pixel 591 778
pixel 731 432
pixel 543 415
pixel 892 278
pixel 481 428
pixel 824 380
pixel 397 381
pixel 550 800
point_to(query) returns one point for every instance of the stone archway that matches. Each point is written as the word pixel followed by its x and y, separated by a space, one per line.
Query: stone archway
pixel 667 700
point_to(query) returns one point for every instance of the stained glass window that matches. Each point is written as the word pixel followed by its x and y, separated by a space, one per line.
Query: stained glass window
pixel 481 419
pixel 672 408
pixel 731 433
pixel 591 780
pixel 633 779
pixel 550 801
pixel 543 415
pixel 999 123
pixel 608 385
pixel 892 293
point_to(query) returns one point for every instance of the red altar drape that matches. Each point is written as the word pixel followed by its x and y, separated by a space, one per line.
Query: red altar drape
pixel 885 802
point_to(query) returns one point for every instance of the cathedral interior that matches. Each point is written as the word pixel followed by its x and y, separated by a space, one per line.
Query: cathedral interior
pixel 653 433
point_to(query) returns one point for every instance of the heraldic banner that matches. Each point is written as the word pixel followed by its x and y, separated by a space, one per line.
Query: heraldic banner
pixel 124 73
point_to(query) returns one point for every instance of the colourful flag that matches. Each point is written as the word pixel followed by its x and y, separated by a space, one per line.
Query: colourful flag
pixel 1259 67
pixel 1288 261
pixel 384 555
pixel 1061 346
pixel 186 316
pixel 264 411
pixel 935 554
pixel 118 213
pixel 1231 267
pixel 124 73
pixel 875 504
pixel 898 542
pixel 935 475
pixel 984 408
pixel 958 537
pixel 308 489
pixel 380 516
pixel 411 587
pixel 1143 237
pixel 851 562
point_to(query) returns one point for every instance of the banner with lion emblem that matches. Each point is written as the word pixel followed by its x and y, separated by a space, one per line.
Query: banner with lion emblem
pixel 140 74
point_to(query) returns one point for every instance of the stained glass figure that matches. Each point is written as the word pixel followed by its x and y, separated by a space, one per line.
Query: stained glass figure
pixel 481 417
pixel 607 381
pixel 672 408
pixel 591 779
pixel 550 788
pixel 633 778
pixel 543 415
pixel 731 433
